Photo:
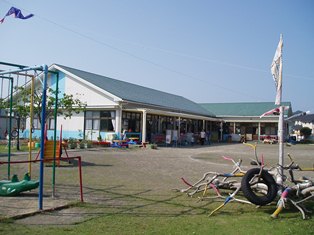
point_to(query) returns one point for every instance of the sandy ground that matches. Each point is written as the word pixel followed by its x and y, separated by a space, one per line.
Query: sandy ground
pixel 130 181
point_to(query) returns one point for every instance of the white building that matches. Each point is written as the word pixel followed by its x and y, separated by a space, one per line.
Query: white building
pixel 114 106
pixel 300 122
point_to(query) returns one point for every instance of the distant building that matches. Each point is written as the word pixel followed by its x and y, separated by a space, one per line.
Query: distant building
pixel 299 122
pixel 244 119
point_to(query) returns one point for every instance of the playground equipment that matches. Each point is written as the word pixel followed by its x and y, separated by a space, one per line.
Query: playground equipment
pixel 295 192
pixel 225 185
pixel 11 75
pixel 15 187
pixel 257 185
pixel 53 149
pixel 14 76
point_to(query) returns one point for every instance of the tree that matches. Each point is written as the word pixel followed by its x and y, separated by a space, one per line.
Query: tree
pixel 306 132
pixel 67 104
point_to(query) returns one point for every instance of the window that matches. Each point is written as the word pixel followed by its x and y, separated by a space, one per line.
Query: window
pixel 51 123
pixel 36 123
pixel 100 120
pixel 131 121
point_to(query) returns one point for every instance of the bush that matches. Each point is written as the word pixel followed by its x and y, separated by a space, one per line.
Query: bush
pixel 306 132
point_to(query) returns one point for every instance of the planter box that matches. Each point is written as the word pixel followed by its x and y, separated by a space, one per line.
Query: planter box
pixel 101 143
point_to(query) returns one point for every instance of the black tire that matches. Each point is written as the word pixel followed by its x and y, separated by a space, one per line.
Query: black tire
pixel 253 195
pixel 14 133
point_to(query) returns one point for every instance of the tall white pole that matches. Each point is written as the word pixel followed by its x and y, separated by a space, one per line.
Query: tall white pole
pixel 281 147
pixel 280 129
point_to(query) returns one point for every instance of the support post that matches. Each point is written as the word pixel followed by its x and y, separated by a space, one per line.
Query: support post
pixel 281 147
pixel 118 121
pixel 42 140
pixel 234 127
pixel 259 131
pixel 31 126
pixel 144 127
pixel 10 129
pixel 55 115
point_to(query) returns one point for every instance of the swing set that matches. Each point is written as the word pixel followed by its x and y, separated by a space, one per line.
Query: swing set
pixel 30 74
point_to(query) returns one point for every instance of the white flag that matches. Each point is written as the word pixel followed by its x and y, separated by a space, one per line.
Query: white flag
pixel 276 69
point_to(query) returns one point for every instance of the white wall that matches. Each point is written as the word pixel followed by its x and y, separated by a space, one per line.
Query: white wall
pixel 76 122
pixel 86 94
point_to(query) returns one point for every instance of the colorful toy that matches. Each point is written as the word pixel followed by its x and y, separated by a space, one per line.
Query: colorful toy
pixel 15 187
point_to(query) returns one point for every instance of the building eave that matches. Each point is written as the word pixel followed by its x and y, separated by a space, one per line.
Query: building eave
pixel 83 81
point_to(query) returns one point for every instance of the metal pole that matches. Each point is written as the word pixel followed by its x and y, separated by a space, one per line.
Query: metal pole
pixel 10 128
pixel 31 126
pixel 42 140
pixel 15 65
pixel 80 176
pixel 55 138
pixel 281 147
pixel 280 130
pixel 18 132
pixel 21 70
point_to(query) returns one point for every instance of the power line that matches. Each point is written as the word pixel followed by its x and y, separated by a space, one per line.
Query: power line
pixel 158 65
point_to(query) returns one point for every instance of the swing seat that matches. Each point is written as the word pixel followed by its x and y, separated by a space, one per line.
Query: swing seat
pixel 49 151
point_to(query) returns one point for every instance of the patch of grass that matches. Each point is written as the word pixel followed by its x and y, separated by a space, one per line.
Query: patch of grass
pixel 144 212
pixel 246 223
pixel 130 194
pixel 4 148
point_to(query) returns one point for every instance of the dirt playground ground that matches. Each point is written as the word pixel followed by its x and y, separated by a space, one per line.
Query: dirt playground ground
pixel 129 181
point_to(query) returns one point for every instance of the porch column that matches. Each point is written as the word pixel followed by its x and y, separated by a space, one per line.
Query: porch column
pixel 118 121
pixel 144 126
pixel 259 132
pixel 234 128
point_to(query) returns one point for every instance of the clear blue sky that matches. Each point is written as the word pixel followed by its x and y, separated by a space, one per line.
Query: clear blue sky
pixel 205 50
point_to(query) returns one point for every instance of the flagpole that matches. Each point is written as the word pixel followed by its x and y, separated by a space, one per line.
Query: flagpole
pixel 280 128
pixel 281 148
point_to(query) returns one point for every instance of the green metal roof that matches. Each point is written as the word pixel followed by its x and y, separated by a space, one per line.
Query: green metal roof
pixel 139 94
pixel 251 109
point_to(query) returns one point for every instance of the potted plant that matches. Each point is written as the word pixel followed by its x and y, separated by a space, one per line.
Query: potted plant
pixel 88 144
pixel 85 144
pixel 82 144
pixel 72 143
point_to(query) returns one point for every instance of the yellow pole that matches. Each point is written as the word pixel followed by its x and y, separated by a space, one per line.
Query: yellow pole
pixel 31 127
